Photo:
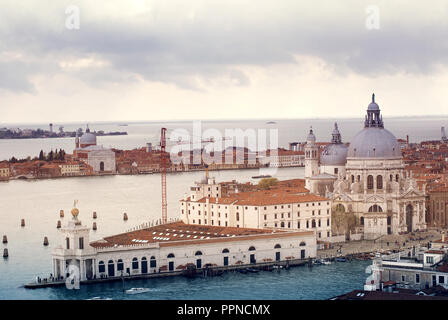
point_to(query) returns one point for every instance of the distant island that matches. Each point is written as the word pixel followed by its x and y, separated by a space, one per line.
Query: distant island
pixel 17 133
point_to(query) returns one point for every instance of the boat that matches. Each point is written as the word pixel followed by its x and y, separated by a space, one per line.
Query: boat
pixel 340 259
pixel 317 262
pixel 137 290
pixel 252 270
pixel 261 176
pixel 242 271
pixel 271 122
pixel 325 261
pixel 99 298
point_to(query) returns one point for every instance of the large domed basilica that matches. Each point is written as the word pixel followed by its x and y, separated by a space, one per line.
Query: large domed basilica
pixel 367 179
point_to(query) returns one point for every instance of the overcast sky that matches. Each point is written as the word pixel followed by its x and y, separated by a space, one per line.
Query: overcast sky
pixel 169 59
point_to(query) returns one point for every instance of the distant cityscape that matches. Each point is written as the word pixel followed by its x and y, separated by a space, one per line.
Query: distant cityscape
pixel 17 133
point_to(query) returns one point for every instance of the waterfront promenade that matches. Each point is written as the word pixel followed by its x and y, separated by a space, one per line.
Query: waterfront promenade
pixel 384 243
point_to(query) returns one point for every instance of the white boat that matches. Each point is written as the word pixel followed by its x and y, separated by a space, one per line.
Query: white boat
pixel 99 298
pixel 137 290
pixel 326 261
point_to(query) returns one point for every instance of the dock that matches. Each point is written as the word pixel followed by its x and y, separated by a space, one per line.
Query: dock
pixel 210 270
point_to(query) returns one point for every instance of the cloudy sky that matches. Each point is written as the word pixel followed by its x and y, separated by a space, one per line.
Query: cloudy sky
pixel 209 59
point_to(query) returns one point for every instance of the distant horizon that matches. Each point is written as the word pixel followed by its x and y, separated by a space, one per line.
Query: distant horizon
pixel 120 122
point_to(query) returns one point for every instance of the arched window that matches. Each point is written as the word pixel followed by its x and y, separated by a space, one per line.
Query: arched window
pixel 353 178
pixel 198 253
pixel 379 182
pixel 282 225
pixel 277 246
pixel 391 178
pixel 369 182
pixel 375 208
pixel 152 262
pixel 171 255
pixel 225 250
pixel 101 166
pixel 358 178
pixel 362 221
pixel 302 244
pixel 120 265
pixel 313 223
pixel 237 216
pixel 134 264
pixel 101 267
pixel 397 177
pixel 252 248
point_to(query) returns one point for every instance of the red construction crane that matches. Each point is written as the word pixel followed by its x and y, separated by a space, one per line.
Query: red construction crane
pixel 163 173
pixel 163 165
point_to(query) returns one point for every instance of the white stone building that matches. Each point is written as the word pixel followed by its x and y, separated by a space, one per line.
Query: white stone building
pixel 369 181
pixel 102 160
pixel 281 208
pixel 170 247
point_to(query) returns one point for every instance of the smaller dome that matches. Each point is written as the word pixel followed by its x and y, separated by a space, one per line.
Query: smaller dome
pixel 311 137
pixel 88 138
pixel 75 212
pixel 373 106
pixel 334 155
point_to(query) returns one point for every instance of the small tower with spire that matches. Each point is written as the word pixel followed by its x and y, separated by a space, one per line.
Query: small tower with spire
pixel 311 157
pixel 373 117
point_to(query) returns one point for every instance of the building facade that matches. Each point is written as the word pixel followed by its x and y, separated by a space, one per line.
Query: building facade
pixel 102 160
pixel 279 208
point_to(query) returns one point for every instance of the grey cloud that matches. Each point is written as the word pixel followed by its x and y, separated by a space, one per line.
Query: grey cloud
pixel 212 48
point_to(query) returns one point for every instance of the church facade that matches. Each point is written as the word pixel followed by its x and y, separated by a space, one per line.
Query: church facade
pixel 102 160
pixel 367 179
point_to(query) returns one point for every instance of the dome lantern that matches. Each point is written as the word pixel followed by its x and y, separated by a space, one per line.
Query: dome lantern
pixel 373 117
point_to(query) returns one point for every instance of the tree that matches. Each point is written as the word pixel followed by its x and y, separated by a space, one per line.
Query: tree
pixel 41 155
pixel 266 183
pixel 343 222
pixel 50 156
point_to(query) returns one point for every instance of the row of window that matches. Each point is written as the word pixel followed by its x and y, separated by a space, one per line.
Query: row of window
pixel 313 224
pixel 265 208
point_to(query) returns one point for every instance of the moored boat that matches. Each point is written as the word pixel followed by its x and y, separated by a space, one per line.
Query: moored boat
pixel 137 290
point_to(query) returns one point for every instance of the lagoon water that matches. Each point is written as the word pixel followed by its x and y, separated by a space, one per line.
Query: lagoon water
pixel 289 130
pixel 39 202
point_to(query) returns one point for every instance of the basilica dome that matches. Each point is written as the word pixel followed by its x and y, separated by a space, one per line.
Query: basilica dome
pixel 374 141
pixel 335 153
pixel 88 138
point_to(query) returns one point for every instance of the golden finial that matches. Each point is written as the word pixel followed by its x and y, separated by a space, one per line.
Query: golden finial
pixel 75 210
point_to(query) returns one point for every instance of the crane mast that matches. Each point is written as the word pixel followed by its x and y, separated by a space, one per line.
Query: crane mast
pixel 163 163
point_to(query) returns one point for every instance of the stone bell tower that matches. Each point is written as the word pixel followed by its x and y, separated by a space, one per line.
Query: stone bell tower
pixel 311 157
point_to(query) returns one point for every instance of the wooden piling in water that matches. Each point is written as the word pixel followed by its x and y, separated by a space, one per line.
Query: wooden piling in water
pixel 94 226
pixel 94 214
pixel 5 253
pixel 125 216
pixel 59 224
pixel 5 239
pixel 61 213
pixel 22 223
pixel 45 241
